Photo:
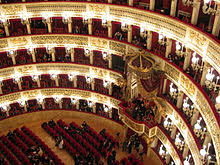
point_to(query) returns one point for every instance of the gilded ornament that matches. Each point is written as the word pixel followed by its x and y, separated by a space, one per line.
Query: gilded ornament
pixel 18 41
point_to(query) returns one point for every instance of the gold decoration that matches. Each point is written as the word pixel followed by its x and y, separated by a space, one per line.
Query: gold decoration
pixel 18 41
pixel 98 9
pixel 101 43
pixel 12 9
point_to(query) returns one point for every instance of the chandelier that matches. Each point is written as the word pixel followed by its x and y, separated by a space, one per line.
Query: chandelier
pixel 124 27
pixel 162 152
pixel 187 109
pixel 162 40
pixel 57 98
pixel 208 9
pixel 180 50
pixel 199 130
pixel 168 125
pixel 179 143
pixel 195 63
pixel 187 160
pixel 173 92
pixel 40 98
pixel 205 155
pixel 209 82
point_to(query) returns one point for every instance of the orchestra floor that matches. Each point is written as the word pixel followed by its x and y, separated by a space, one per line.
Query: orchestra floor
pixel 35 119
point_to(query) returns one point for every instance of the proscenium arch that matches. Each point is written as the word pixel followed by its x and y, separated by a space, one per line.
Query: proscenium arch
pixel 193 38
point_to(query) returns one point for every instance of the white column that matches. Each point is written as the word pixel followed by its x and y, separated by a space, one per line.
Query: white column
pixel 195 12
pixel 194 117
pixel 130 2
pixel 72 54
pixel 152 5
pixel 207 139
pixel 185 151
pixel 110 89
pixel 109 1
pixel 110 61
pixel 28 25
pixel 180 99
pixel 129 33
pixel 43 105
pixel 93 84
pixel 110 113
pixel 77 104
pixel 168 47
pixel 57 80
pixel 0 87
pixel 25 107
pixel 33 56
pixel 49 24
pixel 19 85
pixel 109 23
pixel 13 59
pixel 173 8
pixel 164 86
pixel 60 105
pixel 70 28
pixel 75 82
pixel 90 26
pixel 216 26
pixel 204 72
pixel 149 40
pixel 187 59
pixel 91 58
pixel 94 108
pixel 53 54
pixel 6 28
pixel 173 133
pixel 38 83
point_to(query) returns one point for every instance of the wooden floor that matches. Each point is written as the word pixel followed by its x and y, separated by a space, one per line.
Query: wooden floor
pixel 34 121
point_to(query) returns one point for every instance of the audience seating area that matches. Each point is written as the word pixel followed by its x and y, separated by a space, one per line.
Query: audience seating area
pixel 81 141
pixel 50 104
pixel 22 146
pixel 10 85
pixel 141 109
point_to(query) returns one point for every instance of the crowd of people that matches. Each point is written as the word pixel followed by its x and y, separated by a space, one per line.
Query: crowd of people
pixel 143 109
pixel 35 154
pixel 108 147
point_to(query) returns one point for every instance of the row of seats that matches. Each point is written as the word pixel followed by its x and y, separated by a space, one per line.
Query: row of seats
pixel 61 55
pixel 10 85
pixel 77 139
pixel 15 148
pixel 50 104
pixel 131 160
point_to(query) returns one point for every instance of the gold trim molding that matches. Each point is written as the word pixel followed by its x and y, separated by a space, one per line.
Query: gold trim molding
pixel 199 100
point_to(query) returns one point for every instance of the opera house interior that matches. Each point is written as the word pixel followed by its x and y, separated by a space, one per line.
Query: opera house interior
pixel 109 82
